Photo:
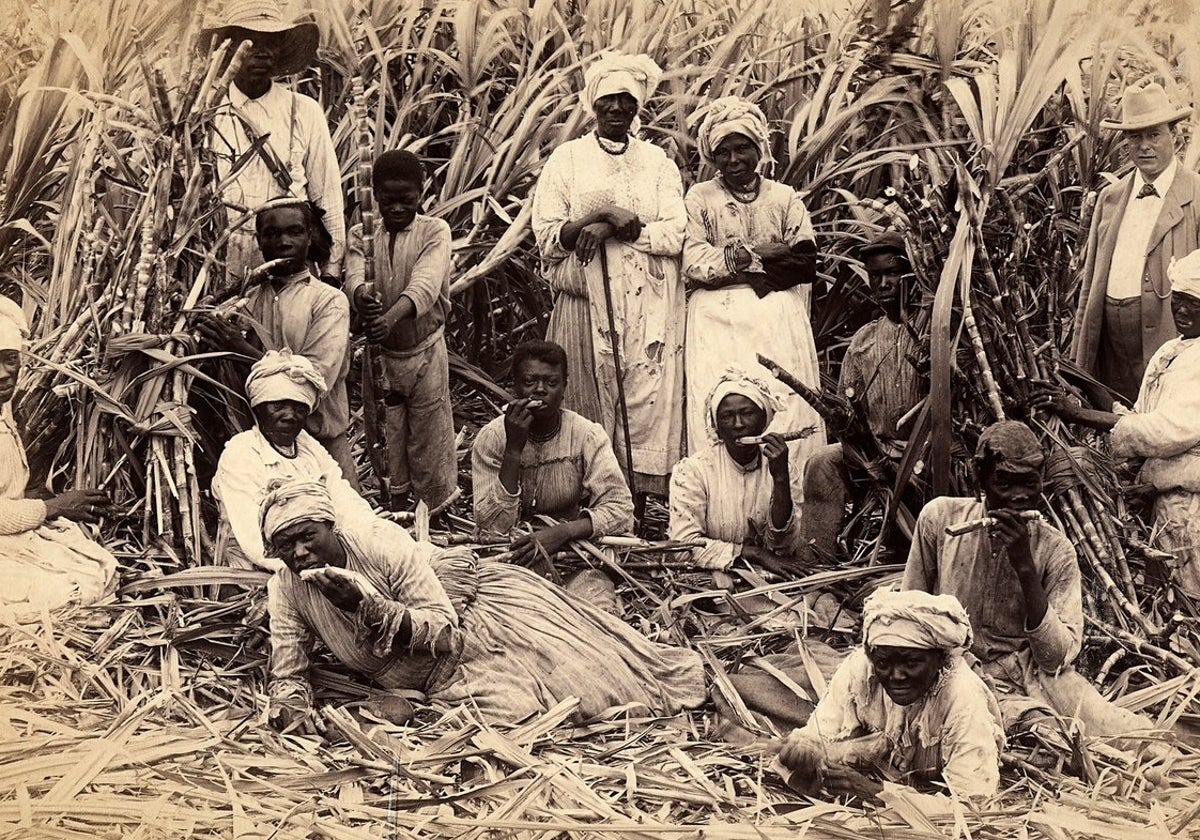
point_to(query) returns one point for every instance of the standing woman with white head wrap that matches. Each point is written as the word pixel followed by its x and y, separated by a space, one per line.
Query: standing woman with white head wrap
pixel 610 190
pixel 1164 427
pixel 46 560
pixel 749 257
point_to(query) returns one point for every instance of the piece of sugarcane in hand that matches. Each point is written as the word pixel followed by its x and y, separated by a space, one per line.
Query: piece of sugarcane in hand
pixel 798 434
pixel 961 528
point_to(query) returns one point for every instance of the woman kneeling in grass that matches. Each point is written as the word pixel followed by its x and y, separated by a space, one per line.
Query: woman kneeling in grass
pixel 905 705
pixel 407 615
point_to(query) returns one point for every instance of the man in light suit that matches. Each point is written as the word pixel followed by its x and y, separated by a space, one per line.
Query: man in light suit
pixel 1140 223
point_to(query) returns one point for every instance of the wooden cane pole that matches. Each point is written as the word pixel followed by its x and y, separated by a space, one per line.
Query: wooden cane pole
pixel 612 340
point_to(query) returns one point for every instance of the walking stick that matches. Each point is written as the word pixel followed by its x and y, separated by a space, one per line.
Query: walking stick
pixel 612 340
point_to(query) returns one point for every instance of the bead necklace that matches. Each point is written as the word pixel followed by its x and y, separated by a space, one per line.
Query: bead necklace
pixel 745 196
pixel 541 439
pixel 612 147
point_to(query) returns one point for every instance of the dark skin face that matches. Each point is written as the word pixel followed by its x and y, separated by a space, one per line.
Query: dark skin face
pixel 254 76
pixel 614 115
pixel 736 158
pixel 1005 489
pixel 399 201
pixel 281 421
pixel 738 416
pixel 10 367
pixel 308 545
pixel 906 674
pixel 1185 309
pixel 886 272
pixel 538 380
pixel 283 233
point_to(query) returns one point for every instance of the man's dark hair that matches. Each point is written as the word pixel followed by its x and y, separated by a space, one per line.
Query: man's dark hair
pixel 547 352
pixel 397 165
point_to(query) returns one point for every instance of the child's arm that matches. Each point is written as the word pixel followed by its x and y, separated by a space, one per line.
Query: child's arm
pixel 429 276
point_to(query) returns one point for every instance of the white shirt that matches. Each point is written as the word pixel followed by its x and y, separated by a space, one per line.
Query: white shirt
pixel 299 137
pixel 1133 237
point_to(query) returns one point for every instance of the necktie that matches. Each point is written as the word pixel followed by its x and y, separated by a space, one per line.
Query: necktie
pixel 1147 191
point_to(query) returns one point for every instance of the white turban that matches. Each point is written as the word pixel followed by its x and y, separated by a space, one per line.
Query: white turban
pixel 615 72
pixel 737 380
pixel 727 116
pixel 283 375
pixel 916 619
pixel 289 501
pixel 14 329
pixel 1184 274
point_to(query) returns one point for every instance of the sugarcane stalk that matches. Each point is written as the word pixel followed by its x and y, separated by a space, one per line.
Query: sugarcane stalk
pixel 1102 546
pixel 1143 647
pixel 798 434
pixel 378 439
pixel 985 369
pixel 1118 550
pixel 1074 532
pixel 960 528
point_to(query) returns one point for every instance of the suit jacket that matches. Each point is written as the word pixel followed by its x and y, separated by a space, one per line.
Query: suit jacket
pixel 1176 234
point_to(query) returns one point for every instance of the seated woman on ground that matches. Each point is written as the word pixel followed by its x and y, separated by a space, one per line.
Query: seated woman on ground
pixel 540 458
pixel 46 560
pixel 404 614
pixel 736 497
pixel 282 388
pixel 904 707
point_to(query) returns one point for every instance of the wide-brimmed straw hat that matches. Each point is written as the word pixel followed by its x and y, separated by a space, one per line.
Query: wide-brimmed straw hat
pixel 298 39
pixel 1145 106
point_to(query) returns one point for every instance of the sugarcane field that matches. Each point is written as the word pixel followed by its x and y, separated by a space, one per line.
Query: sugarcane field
pixel 600 419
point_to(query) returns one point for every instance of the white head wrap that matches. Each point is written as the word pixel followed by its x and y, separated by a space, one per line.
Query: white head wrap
pixel 14 329
pixel 731 115
pixel 916 619
pixel 615 72
pixel 1184 274
pixel 736 380
pixel 289 501
pixel 283 375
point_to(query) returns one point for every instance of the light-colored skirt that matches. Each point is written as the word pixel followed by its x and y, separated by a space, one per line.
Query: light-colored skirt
pixel 52 566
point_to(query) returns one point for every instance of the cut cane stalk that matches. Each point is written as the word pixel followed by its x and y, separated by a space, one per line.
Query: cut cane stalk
pixel 798 434
pixel 961 528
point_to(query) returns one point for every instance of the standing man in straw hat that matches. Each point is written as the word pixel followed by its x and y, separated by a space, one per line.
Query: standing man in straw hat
pixel 296 158
pixel 1140 223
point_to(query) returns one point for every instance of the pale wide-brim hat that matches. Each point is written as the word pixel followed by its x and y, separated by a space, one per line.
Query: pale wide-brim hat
pixel 298 39
pixel 1145 106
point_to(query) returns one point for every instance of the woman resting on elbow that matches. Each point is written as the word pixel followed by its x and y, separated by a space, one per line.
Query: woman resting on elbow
pixel 904 707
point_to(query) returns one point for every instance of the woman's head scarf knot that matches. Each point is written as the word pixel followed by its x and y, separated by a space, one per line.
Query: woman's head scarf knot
pixel 289 501
pixel 284 375
pixel 1184 274
pixel 736 380
pixel 14 329
pixel 730 115
pixel 916 619
pixel 614 72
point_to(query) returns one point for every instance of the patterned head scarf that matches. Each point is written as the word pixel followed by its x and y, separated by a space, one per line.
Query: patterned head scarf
pixel 1011 444
pixel 615 72
pixel 1184 274
pixel 916 619
pixel 293 500
pixel 14 329
pixel 283 375
pixel 727 116
pixel 737 380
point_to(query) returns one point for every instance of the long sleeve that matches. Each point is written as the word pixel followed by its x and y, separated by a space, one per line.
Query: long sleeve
pixel 350 506
pixel 797 223
pixel 552 206
pixel 836 716
pixel 324 177
pixel 703 261
pixel 291 644
pixel 1172 426
pixel 1056 641
pixel 611 503
pixel 970 735
pixel 664 236
pixel 413 592
pixel 20 515
pixel 920 570
pixel 239 485
pixel 688 503
pixel 431 268
pixel 496 510
pixel 353 271
pixel 327 340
